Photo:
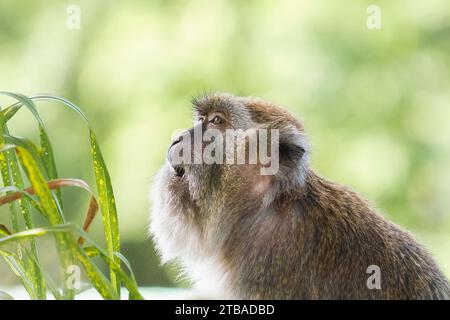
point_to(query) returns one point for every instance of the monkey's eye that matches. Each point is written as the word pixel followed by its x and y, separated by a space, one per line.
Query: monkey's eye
pixel 217 120
pixel 201 119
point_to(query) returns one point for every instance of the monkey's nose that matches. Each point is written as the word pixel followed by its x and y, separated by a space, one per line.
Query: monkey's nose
pixel 176 140
pixel 177 167
pixel 169 150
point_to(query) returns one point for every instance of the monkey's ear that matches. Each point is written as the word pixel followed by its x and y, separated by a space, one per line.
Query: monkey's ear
pixel 291 148
pixel 293 157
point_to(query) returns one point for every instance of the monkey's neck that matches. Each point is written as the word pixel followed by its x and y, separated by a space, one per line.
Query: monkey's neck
pixel 291 236
pixel 319 194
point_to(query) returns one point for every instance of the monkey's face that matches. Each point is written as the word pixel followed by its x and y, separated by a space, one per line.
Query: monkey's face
pixel 239 155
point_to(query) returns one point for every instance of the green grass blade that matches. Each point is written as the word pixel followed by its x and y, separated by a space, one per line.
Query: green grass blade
pixel 10 111
pixel 102 178
pixel 5 296
pixel 49 205
pixel 27 144
pixel 96 277
pixel 46 150
pixel 11 175
pixel 17 267
pixel 5 160
pixel 67 247
pixel 98 280
pixel 50 284
pixel 4 230
pixel 129 282
pixel 11 190
pixel 49 160
pixel 14 194
pixel 104 188
pixel 61 100
pixel 26 235
pixel 107 205
pixel 26 102
pixel 53 289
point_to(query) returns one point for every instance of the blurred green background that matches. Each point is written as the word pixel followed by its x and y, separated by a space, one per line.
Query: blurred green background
pixel 376 103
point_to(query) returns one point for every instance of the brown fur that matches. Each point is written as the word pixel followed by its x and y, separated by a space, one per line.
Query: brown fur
pixel 289 236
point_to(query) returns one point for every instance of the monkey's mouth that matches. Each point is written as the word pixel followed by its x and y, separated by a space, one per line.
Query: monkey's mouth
pixel 179 170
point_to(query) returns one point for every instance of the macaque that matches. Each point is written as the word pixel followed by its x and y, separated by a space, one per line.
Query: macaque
pixel 254 229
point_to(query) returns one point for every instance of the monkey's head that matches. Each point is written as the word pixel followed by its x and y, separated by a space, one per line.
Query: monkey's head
pixel 240 155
